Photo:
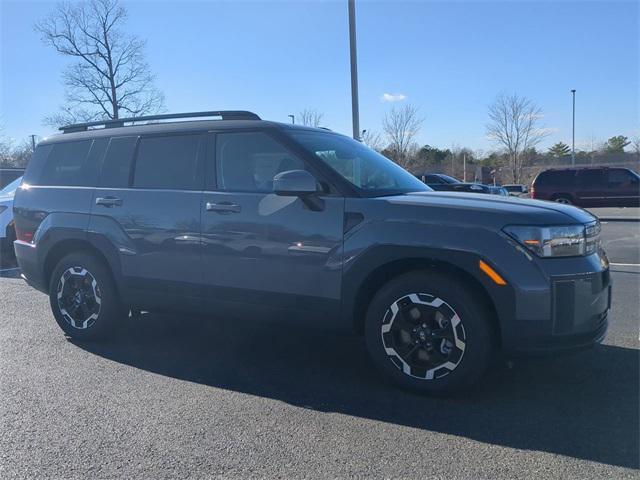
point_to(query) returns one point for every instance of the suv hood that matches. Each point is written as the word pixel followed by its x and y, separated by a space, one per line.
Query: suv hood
pixel 505 210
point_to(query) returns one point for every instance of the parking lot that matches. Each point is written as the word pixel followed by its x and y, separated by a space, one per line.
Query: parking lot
pixel 172 396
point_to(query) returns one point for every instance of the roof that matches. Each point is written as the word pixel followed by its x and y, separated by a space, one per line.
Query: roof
pixel 170 127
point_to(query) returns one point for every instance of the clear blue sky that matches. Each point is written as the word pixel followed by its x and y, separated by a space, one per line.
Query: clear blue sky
pixel 448 58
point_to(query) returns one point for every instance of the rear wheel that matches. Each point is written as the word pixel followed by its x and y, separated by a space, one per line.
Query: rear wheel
pixel 565 200
pixel 426 332
pixel 83 297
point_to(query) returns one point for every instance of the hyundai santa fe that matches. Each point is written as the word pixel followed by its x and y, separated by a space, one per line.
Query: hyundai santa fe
pixel 231 215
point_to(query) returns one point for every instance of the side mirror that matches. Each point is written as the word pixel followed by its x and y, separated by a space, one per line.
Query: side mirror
pixel 294 183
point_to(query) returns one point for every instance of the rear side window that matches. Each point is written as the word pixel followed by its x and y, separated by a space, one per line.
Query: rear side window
pixel 169 162
pixel 116 166
pixel 556 178
pixel 591 178
pixel 64 164
pixel 432 179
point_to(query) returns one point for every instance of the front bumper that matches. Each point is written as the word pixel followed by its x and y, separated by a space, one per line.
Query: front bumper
pixel 564 311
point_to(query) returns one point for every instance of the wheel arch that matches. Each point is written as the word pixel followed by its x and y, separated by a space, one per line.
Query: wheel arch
pixel 456 265
pixel 73 245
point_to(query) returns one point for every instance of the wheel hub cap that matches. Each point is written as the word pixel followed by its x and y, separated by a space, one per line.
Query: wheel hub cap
pixel 79 297
pixel 423 336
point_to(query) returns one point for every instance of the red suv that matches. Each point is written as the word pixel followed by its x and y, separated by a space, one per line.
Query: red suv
pixel 589 186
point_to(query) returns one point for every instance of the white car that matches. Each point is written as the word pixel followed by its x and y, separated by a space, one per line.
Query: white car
pixel 516 189
pixel 7 231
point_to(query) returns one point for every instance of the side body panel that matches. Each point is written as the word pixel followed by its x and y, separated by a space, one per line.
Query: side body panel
pixel 271 256
pixel 156 235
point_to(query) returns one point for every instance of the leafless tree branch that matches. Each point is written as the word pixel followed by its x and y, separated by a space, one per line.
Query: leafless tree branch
pixel 514 124
pixel 310 117
pixel 373 140
pixel 400 126
pixel 110 74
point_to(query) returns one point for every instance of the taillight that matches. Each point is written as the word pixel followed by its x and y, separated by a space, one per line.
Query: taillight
pixel 24 235
pixel 532 191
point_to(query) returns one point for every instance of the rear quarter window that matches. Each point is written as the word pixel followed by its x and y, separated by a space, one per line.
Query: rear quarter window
pixel 63 164
pixel 555 178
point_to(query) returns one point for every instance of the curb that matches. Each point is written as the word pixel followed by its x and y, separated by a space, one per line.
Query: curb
pixel 619 219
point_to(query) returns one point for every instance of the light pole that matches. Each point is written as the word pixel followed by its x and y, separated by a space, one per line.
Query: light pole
pixel 355 115
pixel 573 130
pixel 33 142
pixel 293 118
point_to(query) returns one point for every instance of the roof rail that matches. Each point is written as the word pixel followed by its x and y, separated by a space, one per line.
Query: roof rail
pixel 119 122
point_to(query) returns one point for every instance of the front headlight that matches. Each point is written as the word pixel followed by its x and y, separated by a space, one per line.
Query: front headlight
pixel 558 241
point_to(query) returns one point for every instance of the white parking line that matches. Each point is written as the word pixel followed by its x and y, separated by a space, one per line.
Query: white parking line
pixel 625 264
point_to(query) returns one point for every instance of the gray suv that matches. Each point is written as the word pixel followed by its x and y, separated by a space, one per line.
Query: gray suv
pixel 235 216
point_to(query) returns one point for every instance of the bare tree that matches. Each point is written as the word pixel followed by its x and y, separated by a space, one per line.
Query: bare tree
pixel 110 75
pixel 12 155
pixel 636 146
pixel 514 125
pixel 6 158
pixel 310 117
pixel 400 126
pixel 373 140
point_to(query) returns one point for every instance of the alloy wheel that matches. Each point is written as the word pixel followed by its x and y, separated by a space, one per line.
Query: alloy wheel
pixel 423 336
pixel 79 297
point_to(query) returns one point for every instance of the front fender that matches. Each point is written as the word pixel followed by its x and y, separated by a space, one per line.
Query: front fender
pixel 380 246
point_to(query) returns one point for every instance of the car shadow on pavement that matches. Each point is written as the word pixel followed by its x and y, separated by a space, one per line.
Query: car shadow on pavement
pixel 583 405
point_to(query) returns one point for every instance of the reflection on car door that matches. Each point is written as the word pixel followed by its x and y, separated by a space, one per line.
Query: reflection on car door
pixel 270 253
pixel 150 205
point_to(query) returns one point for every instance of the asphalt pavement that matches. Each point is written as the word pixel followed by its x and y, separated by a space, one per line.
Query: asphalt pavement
pixel 175 396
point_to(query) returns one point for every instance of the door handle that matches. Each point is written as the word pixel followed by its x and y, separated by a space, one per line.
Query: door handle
pixel 109 201
pixel 223 207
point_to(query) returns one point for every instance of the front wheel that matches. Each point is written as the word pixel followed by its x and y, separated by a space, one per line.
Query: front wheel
pixel 426 332
pixel 83 297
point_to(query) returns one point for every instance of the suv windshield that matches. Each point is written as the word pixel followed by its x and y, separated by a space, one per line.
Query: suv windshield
pixel 371 173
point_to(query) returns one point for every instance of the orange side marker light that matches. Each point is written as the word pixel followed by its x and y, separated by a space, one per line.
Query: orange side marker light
pixel 491 273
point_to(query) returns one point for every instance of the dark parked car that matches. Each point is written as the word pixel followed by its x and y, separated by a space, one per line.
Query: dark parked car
pixel 589 186
pixel 439 181
pixel 267 221
pixel 8 175
pixel 478 188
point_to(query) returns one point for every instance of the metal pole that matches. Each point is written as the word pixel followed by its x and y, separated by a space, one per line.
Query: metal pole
pixel 573 135
pixel 293 118
pixel 464 167
pixel 33 142
pixel 355 115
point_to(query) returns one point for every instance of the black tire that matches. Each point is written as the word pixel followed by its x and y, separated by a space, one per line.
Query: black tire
pixel 564 199
pixel 470 347
pixel 99 302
